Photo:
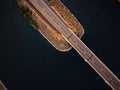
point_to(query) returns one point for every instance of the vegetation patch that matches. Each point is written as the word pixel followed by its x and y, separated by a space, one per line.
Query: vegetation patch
pixel 26 12
pixel 51 2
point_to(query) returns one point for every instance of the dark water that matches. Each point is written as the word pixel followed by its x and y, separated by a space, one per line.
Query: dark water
pixel 29 62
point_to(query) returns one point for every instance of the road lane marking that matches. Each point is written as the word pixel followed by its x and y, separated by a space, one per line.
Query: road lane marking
pixel 69 36
pixel 41 5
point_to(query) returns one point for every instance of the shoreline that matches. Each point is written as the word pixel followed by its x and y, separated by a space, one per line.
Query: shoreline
pixel 64 50
pixel 47 30
pixel 62 12
pixel 2 86
pixel 61 50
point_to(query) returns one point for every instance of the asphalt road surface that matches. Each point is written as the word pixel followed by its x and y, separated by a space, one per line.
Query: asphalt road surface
pixel 76 43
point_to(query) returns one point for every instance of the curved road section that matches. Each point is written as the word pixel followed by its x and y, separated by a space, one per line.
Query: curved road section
pixel 76 43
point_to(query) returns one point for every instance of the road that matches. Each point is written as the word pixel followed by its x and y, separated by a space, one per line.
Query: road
pixel 77 44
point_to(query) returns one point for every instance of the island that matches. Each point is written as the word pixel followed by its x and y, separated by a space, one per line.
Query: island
pixel 44 27
pixel 57 24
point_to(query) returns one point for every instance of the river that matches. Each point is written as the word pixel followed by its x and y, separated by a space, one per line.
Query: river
pixel 29 62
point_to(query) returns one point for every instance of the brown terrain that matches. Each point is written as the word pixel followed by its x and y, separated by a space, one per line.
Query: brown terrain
pixel 48 31
pixel 68 18
pixel 2 87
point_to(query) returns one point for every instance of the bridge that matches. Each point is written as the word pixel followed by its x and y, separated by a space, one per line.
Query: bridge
pixel 76 43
